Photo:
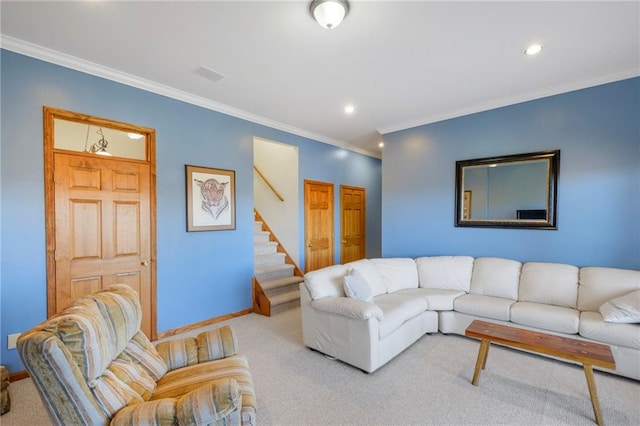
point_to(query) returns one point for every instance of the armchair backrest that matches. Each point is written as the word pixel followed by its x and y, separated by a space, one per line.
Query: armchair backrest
pixel 85 361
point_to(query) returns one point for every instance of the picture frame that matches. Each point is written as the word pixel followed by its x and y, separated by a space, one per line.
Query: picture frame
pixel 211 199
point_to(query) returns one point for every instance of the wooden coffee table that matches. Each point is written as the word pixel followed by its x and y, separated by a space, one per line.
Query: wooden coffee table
pixel 586 353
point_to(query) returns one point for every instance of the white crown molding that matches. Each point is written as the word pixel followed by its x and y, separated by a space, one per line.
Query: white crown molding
pixel 49 55
pixel 512 100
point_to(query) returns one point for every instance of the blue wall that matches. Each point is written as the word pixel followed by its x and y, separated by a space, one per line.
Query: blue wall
pixel 201 275
pixel 598 133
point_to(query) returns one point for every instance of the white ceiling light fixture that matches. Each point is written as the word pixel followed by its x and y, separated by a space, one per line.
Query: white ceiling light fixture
pixel 349 109
pixel 135 136
pixel 100 147
pixel 329 13
pixel 534 49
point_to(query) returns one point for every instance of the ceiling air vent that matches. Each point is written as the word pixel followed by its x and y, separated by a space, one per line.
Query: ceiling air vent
pixel 208 73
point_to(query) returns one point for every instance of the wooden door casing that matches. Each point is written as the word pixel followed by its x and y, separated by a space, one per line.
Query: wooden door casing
pixel 318 224
pixel 353 223
pixel 101 228
pixel 100 220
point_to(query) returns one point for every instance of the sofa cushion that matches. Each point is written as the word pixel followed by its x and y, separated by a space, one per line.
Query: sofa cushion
pixel 80 328
pixel 546 317
pixel 356 287
pixel 437 299
pixel 326 282
pixel 398 273
pixel 445 272
pixel 134 375
pixel 371 275
pixel 120 307
pixel 549 283
pixel 623 309
pixel 599 285
pixel 217 400
pixel 397 309
pixel 593 327
pixel 159 412
pixel 179 382
pixel 348 307
pixel 112 393
pixel 142 351
pixel 178 353
pixel 495 277
pixel 484 306
pixel 218 343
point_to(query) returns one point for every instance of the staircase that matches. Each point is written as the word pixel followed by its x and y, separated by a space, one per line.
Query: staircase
pixel 276 276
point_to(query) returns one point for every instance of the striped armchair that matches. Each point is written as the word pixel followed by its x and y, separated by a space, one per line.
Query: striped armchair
pixel 92 365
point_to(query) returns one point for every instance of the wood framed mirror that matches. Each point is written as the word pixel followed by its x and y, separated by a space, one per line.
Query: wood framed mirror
pixel 511 191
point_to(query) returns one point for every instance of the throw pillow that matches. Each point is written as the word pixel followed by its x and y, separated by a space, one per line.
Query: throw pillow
pixel 356 287
pixel 623 309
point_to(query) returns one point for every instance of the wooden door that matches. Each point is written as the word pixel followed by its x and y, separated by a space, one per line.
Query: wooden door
pixel 102 228
pixel 100 214
pixel 353 224
pixel 318 224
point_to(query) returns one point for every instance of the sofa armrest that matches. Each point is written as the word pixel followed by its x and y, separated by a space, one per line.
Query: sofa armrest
pixel 207 346
pixel 217 344
pixel 348 307
pixel 217 400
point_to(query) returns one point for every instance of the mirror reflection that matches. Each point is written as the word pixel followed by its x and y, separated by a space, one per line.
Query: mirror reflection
pixel 92 138
pixel 516 191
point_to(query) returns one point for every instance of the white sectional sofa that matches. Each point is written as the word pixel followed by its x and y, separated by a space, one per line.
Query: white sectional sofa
pixel 393 302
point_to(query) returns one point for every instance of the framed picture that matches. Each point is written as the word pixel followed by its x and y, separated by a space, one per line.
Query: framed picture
pixel 211 199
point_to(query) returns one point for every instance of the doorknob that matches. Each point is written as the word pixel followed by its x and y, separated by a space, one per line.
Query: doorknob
pixel 144 263
pixel 344 241
pixel 309 245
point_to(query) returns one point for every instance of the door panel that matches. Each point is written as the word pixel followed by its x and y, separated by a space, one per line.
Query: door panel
pixel 102 228
pixel 318 223
pixel 353 225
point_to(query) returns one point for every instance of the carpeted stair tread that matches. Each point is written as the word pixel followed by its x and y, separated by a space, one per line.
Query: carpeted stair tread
pixel 281 282
pixel 274 268
pixel 284 298
pixel 275 276
pixel 262 260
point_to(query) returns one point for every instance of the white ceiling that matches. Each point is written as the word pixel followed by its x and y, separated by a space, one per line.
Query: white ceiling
pixel 401 64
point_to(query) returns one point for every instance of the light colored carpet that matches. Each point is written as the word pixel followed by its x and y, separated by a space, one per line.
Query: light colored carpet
pixel 429 383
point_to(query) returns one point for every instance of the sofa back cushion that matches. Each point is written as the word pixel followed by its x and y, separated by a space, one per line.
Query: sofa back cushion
pixel 495 277
pixel 81 328
pixel 371 274
pixel 326 282
pixel 96 328
pixel 398 273
pixel 599 285
pixel 549 283
pixel 445 272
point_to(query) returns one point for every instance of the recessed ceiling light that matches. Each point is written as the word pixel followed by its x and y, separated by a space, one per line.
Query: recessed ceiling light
pixel 534 49
pixel 381 144
pixel 349 109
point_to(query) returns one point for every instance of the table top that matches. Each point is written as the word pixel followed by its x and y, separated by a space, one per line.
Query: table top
pixel 549 344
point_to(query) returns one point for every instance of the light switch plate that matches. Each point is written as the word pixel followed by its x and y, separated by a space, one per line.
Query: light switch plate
pixel 11 340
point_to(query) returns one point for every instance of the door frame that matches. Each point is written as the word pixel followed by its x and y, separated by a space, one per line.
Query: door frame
pixel 363 222
pixel 306 220
pixel 50 114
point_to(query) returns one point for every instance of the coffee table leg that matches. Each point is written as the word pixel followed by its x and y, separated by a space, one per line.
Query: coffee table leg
pixel 591 383
pixel 481 361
